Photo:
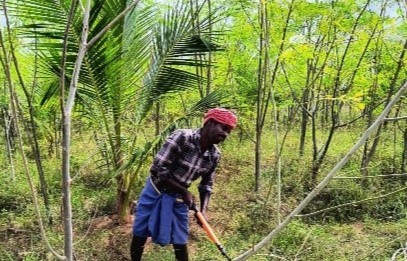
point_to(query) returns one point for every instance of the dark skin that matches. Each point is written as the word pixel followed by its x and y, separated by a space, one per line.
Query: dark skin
pixel 212 133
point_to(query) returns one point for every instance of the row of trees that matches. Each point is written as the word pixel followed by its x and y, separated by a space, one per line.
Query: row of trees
pixel 328 64
pixel 112 64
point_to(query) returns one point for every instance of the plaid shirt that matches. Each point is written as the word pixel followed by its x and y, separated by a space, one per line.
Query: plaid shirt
pixel 181 158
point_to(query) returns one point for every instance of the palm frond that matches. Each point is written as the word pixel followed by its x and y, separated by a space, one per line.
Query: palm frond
pixel 177 47
pixel 212 100
pixel 50 13
pixel 111 66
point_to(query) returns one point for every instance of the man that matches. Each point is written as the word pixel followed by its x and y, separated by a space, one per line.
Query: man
pixel 162 209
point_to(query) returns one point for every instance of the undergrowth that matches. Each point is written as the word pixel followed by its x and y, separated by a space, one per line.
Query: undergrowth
pixel 370 230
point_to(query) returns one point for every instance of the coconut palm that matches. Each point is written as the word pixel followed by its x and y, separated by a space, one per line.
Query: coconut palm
pixel 138 62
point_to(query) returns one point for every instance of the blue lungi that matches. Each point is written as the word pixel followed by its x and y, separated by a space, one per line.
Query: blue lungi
pixel 161 217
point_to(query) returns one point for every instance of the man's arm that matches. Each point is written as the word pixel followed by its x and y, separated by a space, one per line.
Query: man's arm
pixel 204 197
pixel 205 188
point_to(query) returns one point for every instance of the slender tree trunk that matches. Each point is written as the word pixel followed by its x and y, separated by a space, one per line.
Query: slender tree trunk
pixel 9 148
pixel 122 179
pixel 194 7
pixel 364 163
pixel 66 134
pixel 396 128
pixel 260 94
pixel 372 94
pixel 66 183
pixel 157 118
pixel 304 120
pixel 274 112
pixel 279 157
pixel 305 97
pixel 56 135
pixel 208 69
pixel 263 98
pixel 65 144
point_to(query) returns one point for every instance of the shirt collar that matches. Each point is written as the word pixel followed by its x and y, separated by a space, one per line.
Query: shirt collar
pixel 196 136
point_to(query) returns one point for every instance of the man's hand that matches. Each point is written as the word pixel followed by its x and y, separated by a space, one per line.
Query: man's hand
pixel 188 198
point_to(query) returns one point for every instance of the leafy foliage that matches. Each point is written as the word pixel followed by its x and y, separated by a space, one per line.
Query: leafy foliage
pixel 329 63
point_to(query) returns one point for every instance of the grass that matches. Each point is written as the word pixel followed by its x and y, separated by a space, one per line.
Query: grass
pixel 239 217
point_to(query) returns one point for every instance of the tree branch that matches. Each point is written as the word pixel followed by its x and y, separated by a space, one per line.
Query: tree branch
pixel 376 176
pixel 351 203
pixel 396 119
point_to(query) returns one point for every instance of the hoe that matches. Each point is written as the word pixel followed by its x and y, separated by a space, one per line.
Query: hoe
pixel 209 232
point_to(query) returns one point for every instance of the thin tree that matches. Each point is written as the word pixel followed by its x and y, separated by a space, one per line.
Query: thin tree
pixel 67 107
pixel 260 93
pixel 7 133
pixel 265 82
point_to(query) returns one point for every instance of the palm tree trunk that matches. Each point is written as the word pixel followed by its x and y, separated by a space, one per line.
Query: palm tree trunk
pixel 123 179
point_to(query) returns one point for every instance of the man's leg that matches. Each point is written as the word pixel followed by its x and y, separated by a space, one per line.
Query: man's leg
pixel 137 247
pixel 181 252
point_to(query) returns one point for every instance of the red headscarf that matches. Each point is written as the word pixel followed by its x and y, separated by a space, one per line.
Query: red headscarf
pixel 221 115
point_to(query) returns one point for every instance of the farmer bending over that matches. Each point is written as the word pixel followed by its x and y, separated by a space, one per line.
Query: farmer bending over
pixel 162 209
